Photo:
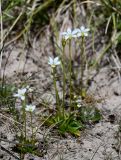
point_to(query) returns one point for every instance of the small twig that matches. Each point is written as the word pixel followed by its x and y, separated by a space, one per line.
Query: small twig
pixel 9 152
pixel 95 152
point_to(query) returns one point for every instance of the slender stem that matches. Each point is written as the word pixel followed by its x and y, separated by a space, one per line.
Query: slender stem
pixel 56 90
pixel 32 127
pixel 24 117
pixel 74 13
pixel 82 56
pixel 25 124
pixel 64 78
pixel 70 69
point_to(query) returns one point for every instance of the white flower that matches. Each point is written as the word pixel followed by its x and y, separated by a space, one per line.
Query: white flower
pixel 79 105
pixel 21 94
pixel 85 113
pixel 54 62
pixel 30 108
pixel 82 31
pixel 29 89
pixel 69 34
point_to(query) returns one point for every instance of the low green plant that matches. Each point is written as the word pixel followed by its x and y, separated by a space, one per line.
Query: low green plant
pixel 26 142
pixel 70 125
pixel 89 114
pixel 77 117
pixel 76 121
pixel 66 124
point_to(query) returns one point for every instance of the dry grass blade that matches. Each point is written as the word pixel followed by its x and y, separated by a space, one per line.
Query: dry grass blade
pixel 1 36
pixel 9 152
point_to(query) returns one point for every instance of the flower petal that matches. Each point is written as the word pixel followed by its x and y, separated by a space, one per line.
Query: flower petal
pixel 75 31
pixel 22 98
pixel 69 30
pixel 22 91
pixel 56 61
pixel 82 28
pixel 50 61
pixel 64 33
pixel 79 34
pixel 87 29
pixel 74 36
pixel 86 34
pixel 16 95
pixel 30 108
pixel 66 37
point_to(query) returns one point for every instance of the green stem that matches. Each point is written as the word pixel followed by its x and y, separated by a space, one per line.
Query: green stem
pixel 64 78
pixel 25 126
pixel 74 13
pixel 56 90
pixel 82 56
pixel 32 127
pixel 24 117
pixel 70 69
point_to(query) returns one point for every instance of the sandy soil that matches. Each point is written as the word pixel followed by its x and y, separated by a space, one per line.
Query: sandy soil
pixel 98 142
